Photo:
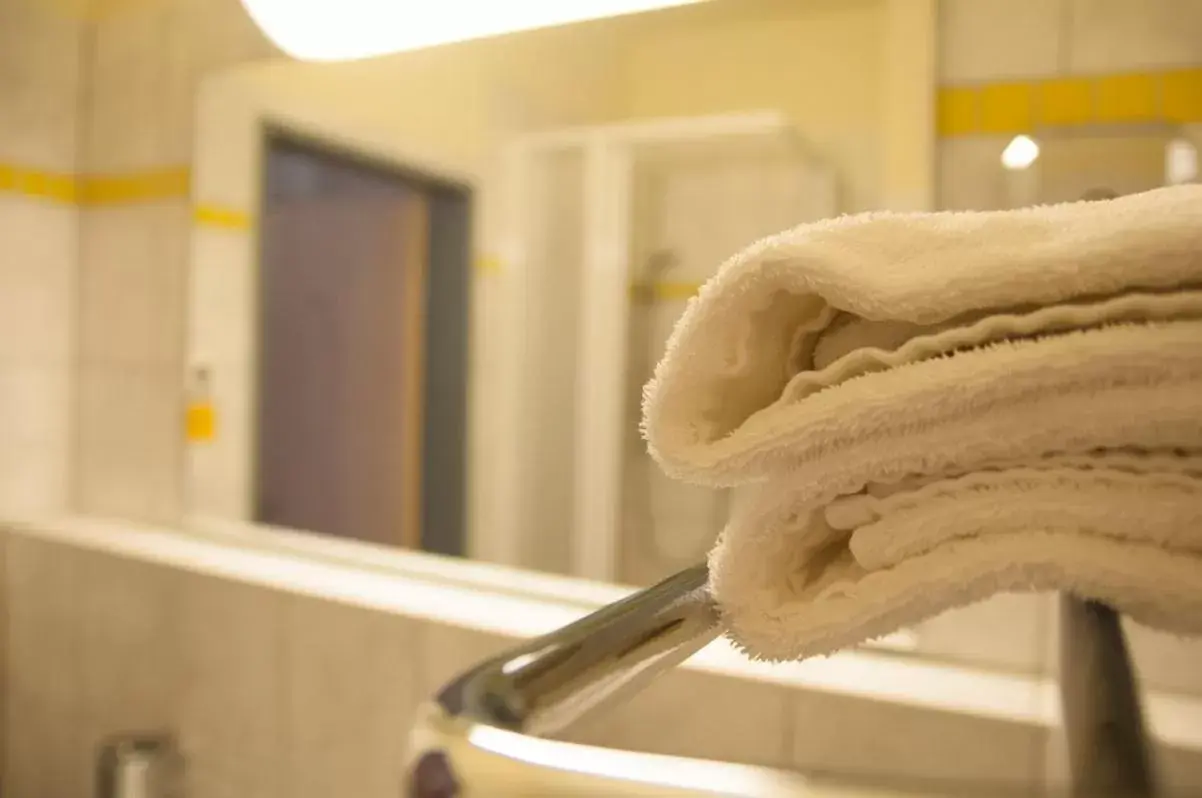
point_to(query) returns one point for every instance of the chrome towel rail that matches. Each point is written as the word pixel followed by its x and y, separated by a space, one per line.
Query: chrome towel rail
pixel 482 733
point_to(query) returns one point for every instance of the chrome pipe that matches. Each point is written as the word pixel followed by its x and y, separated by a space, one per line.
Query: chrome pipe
pixel 550 683
pixel 484 732
pixel 139 765
pixel 1103 721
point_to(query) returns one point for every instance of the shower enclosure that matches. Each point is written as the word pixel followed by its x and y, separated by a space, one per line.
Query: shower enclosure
pixel 608 232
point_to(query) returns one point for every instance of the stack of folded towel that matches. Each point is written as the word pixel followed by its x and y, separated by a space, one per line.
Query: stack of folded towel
pixel 934 408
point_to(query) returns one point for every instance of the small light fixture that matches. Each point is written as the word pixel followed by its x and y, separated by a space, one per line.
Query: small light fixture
pixel 1020 153
pixel 1180 162
pixel 344 30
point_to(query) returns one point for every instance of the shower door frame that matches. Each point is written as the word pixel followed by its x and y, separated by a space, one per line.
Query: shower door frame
pixel 608 155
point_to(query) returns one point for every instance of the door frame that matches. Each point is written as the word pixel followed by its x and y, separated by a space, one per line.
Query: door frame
pixel 609 154
pixel 434 508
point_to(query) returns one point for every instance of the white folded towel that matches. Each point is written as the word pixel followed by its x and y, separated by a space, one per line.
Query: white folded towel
pixel 939 407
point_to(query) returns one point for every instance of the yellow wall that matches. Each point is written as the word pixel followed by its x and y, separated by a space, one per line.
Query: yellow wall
pixel 458 101
pixel 820 62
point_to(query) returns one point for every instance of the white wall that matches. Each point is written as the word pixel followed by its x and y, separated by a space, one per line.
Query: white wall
pixel 39 95
pixel 988 41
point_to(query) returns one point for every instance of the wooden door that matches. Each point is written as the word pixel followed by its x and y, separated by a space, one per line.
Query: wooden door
pixel 341 365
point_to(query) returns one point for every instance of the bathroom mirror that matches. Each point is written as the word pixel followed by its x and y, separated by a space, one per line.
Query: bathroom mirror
pixel 427 288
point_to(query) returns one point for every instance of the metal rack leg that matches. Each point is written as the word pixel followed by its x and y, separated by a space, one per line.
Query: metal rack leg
pixel 1103 720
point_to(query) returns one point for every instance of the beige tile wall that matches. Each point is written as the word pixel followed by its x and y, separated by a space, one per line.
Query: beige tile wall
pixel 274 694
pixel 143 70
pixel 37 275
pixel 39 95
pixel 270 694
pixel 987 40
pixel 999 40
pixel 39 92
pixel 231 655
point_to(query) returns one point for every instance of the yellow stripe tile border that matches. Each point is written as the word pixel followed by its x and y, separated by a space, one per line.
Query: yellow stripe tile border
pixel 54 186
pixel 959 111
pixel 1126 98
pixel 1170 96
pixel 663 292
pixel 1005 108
pixel 95 190
pixel 221 218
pixel 108 190
pixel 1064 102
pixel 488 264
pixel 122 189
pixel 1181 95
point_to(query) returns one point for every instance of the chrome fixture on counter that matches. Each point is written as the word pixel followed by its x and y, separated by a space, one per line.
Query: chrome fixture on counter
pixel 139 765
pixel 483 732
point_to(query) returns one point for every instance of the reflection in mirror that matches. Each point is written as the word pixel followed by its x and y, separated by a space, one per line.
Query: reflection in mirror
pixel 362 277
pixel 430 286
pixel 456 267
pixel 426 289
pixel 1064 165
